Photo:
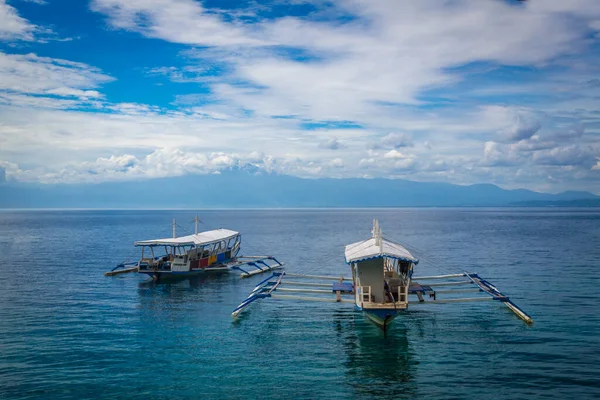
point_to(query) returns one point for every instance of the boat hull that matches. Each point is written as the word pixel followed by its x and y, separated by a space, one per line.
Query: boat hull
pixel 159 276
pixel 382 318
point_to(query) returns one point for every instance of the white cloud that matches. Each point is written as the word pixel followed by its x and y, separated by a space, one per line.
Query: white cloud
pixel 336 163
pixel 13 26
pixel 179 21
pixel 389 53
pixel 499 155
pixel 394 154
pixel 394 141
pixel 331 144
pixel 71 92
pixel 522 128
pixel 373 71
pixel 34 75
pixel 573 155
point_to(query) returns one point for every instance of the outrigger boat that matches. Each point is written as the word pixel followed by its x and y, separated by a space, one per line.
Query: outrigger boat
pixel 214 250
pixel 381 283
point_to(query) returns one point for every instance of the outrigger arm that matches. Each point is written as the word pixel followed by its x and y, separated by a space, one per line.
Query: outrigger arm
pixel 261 264
pixel 482 286
pixel 275 284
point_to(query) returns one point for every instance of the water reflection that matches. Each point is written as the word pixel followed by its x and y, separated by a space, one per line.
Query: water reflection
pixel 192 292
pixel 193 281
pixel 377 365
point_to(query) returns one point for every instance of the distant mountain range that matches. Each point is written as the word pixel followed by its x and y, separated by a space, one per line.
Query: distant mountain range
pixel 241 188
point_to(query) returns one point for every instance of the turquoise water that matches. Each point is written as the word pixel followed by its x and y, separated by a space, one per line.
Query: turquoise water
pixel 66 331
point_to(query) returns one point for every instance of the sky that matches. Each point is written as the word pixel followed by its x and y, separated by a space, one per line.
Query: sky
pixel 481 91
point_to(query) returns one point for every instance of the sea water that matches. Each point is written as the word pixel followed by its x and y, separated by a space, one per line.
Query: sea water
pixel 67 331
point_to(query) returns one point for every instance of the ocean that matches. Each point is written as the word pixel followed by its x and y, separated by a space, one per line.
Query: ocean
pixel 68 332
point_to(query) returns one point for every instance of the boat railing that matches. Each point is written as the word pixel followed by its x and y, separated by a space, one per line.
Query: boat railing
pixel 365 294
pixel 402 293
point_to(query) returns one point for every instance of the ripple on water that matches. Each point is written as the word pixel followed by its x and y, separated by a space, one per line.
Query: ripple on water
pixel 69 332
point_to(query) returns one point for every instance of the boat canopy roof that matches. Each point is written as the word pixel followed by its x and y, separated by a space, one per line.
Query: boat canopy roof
pixel 202 238
pixel 377 247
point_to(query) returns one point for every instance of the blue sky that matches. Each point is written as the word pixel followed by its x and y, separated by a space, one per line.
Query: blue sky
pixel 492 91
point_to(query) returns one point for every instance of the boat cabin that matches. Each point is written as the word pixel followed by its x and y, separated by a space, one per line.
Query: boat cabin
pixel 381 272
pixel 197 252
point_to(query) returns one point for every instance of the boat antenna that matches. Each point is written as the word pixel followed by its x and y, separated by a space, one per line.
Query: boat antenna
pixel 174 229
pixel 196 220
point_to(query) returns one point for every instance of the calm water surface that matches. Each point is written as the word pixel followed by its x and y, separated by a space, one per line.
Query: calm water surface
pixel 66 331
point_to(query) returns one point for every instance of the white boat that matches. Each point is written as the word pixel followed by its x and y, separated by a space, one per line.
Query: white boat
pixel 381 283
pixel 209 251
pixel 381 272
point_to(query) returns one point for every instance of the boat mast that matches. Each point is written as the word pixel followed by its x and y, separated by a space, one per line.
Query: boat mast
pixel 196 220
pixel 174 229
pixel 377 234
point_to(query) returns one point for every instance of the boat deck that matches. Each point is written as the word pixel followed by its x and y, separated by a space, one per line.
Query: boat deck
pixel 384 306
pixel 415 288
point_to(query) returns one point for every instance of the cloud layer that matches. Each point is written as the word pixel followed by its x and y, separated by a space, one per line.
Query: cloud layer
pixel 462 91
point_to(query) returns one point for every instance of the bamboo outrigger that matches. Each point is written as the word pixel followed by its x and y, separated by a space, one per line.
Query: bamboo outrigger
pixel 381 283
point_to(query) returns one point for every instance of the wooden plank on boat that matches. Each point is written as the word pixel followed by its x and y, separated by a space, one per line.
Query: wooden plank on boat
pixel 294 283
pixel 451 283
pixel 416 278
pixel 121 271
pixel 319 299
pixel 333 278
pixel 343 287
pixel 462 300
pixel 299 290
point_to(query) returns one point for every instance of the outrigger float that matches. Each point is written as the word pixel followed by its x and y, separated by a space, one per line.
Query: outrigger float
pixel 381 283
pixel 209 251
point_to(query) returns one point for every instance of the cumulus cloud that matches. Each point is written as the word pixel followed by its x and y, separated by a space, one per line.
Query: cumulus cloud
pixel 523 127
pixel 532 144
pixel 394 154
pixel 165 162
pixel 574 155
pixel 499 155
pixel 331 144
pixel 336 163
pixel 394 141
